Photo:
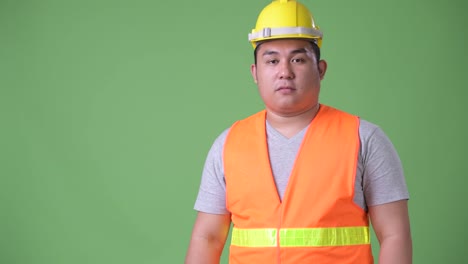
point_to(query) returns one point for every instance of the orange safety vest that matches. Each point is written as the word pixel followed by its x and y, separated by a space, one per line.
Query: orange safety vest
pixel 317 221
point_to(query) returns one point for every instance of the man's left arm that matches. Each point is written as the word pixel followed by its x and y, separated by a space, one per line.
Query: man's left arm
pixel 392 228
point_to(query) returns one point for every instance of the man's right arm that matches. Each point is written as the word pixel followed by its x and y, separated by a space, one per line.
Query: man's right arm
pixel 208 238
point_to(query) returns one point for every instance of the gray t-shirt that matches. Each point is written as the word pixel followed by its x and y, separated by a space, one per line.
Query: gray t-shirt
pixel 379 175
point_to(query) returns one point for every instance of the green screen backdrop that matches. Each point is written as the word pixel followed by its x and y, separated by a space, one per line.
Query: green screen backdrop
pixel 108 109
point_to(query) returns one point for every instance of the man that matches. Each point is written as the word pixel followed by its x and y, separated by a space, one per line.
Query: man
pixel 299 181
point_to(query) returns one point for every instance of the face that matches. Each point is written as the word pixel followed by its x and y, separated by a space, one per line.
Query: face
pixel 288 76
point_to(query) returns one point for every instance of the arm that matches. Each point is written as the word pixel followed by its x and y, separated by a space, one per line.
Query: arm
pixel 392 228
pixel 208 237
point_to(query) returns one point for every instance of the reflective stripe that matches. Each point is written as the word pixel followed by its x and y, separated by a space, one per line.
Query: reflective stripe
pixel 273 32
pixel 301 237
pixel 316 237
pixel 254 237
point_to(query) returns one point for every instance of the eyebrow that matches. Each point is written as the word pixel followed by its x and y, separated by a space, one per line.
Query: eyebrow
pixel 296 51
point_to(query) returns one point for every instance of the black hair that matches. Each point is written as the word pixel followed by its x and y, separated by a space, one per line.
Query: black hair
pixel 313 43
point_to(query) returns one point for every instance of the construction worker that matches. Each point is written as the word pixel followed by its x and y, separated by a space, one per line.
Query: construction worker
pixel 299 181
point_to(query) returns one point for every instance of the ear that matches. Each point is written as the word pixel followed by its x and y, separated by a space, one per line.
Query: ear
pixel 253 71
pixel 322 67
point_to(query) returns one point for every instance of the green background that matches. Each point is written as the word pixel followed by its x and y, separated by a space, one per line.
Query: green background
pixel 108 109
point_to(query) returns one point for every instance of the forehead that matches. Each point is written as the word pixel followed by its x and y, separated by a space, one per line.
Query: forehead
pixel 284 46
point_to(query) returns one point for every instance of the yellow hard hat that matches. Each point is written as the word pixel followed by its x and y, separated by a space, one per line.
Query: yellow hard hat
pixel 285 19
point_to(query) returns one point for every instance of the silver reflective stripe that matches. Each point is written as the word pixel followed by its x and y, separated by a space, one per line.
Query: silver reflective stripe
pixel 272 32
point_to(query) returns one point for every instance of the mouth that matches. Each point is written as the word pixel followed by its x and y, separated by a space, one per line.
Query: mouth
pixel 285 89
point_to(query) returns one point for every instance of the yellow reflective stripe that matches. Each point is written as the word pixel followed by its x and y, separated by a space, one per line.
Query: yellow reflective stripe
pixel 301 237
pixel 322 237
pixel 265 237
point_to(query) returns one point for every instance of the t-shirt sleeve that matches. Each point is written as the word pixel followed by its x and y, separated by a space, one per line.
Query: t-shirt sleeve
pixel 383 178
pixel 212 192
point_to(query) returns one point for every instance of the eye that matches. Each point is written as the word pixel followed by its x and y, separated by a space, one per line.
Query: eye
pixel 272 61
pixel 298 60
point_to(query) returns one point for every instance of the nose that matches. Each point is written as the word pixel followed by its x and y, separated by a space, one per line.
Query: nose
pixel 286 71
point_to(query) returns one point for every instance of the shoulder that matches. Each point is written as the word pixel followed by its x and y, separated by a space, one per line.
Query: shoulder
pixel 367 130
pixel 218 144
pixel 373 139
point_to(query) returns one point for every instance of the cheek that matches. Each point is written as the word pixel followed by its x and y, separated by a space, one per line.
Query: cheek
pixel 265 77
pixel 265 90
pixel 312 77
pixel 260 81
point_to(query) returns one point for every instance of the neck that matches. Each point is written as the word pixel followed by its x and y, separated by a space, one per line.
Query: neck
pixel 290 125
